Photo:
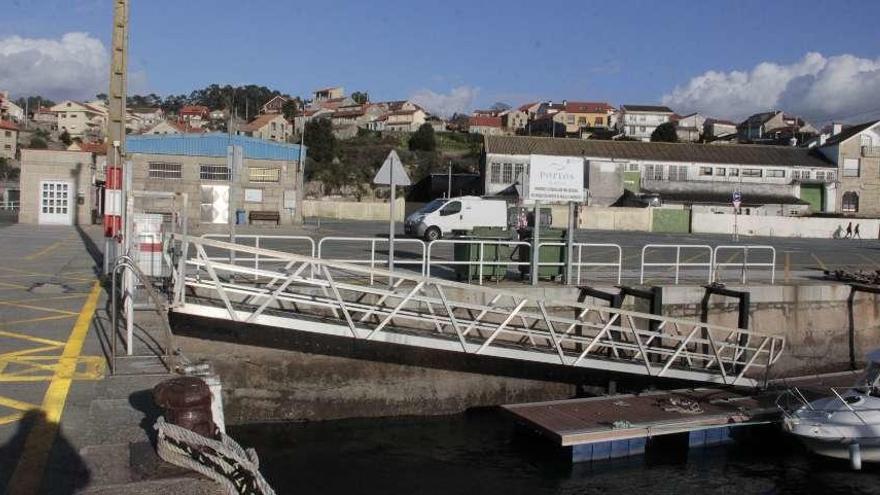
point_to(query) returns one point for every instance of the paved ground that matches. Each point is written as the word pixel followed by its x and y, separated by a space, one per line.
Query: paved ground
pixel 799 259
pixel 65 425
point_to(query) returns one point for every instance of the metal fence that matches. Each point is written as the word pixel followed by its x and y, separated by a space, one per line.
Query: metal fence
pixel 675 265
pixel 579 264
pixel 494 262
pixel 374 261
pixel 743 263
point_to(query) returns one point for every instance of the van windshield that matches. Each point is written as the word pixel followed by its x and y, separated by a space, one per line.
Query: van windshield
pixel 432 206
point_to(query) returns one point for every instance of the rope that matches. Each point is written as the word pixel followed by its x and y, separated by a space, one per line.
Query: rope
pixel 224 460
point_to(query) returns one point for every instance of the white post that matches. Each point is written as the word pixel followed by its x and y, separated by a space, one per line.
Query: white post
pixel 391 226
pixel 536 242
pixel 569 244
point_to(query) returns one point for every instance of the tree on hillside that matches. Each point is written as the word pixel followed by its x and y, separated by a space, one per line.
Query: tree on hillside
pixel 360 97
pixel 7 171
pixel 423 139
pixel 290 109
pixel 664 133
pixel 34 102
pixel 499 106
pixel 320 141
pixel 38 143
pixel 65 138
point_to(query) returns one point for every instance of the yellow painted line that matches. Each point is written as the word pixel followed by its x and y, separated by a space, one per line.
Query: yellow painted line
pixel 36 320
pixel 41 299
pixel 30 338
pixel 4 358
pixel 39 308
pixel 16 404
pixel 10 418
pixel 821 264
pixel 48 249
pixel 92 368
pixel 29 471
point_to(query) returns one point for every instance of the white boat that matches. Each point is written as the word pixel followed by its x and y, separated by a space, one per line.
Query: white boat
pixel 844 425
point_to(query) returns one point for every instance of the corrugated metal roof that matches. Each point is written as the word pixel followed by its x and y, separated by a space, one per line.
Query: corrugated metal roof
pixel 213 144
pixel 742 154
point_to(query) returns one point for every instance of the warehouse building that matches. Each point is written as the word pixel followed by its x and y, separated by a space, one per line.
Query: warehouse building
pixel 773 180
pixel 267 187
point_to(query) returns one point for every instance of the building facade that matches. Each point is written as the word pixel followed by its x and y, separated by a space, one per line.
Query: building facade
pixel 80 119
pixel 679 173
pixel 270 126
pixel 640 121
pixel 57 187
pixel 856 151
pixel 8 140
pixel 269 181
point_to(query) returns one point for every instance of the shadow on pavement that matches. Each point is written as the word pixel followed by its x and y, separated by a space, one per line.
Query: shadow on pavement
pixel 24 469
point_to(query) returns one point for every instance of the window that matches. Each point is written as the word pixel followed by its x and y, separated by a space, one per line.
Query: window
pixel 164 170
pixel 678 172
pixel 599 121
pixel 642 129
pixel 582 121
pixel 7 146
pixel 632 167
pixel 866 140
pixel 213 172
pixel 649 171
pixel 517 171
pixel 850 167
pixel 8 133
pixel 569 119
pixel 260 174
pixel 632 129
pixel 705 171
pixel 805 175
pixel 820 175
pixel 829 176
pixel 495 173
pixel 720 171
pixel 795 174
pixel 658 172
pixel 776 173
pixel 734 172
pixel 641 118
pixel 850 202
pixel 507 174
pixel 752 172
pixel 451 208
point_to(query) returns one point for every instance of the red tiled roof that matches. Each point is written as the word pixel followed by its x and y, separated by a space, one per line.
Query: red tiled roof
pixel 5 124
pixel 485 121
pixel 588 107
pixel 193 110
pixel 97 148
pixel 525 108
pixel 260 122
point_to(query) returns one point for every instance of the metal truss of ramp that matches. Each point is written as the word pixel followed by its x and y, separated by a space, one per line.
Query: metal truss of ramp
pixel 325 297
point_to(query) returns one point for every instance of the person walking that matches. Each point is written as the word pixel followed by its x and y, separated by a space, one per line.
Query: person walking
pixel 856 232
pixel 849 231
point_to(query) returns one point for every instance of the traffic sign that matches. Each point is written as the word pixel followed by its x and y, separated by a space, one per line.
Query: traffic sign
pixel 737 199
pixel 392 170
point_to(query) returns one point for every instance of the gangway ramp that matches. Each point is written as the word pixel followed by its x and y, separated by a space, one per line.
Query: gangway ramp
pixel 326 297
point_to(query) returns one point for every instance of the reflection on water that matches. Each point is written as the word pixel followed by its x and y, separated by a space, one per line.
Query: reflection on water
pixel 482 453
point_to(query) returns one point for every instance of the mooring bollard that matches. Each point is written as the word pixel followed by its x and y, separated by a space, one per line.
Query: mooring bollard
pixel 186 402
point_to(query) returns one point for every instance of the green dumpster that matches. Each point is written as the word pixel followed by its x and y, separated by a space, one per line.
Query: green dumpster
pixel 547 254
pixel 492 252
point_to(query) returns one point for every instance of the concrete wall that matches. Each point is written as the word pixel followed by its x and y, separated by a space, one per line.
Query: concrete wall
pixel 75 167
pixel 825 228
pixel 671 220
pixel 609 218
pixel 353 210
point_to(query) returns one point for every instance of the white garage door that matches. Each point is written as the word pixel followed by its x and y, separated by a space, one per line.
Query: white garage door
pixel 56 207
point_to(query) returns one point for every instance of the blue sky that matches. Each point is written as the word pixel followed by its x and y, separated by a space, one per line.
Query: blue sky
pixel 492 50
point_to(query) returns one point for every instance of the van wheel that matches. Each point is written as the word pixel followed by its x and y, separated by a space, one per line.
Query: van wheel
pixel 432 234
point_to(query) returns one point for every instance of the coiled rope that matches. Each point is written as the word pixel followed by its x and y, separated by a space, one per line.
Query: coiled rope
pixel 224 460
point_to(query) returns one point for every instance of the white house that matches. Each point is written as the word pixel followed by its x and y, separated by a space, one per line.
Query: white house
pixel 639 121
pixel 80 119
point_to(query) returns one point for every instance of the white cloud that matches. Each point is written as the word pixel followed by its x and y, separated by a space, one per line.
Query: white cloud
pixel 841 87
pixel 76 66
pixel 459 100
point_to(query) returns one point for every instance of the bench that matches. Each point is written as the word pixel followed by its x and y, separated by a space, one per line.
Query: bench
pixel 269 216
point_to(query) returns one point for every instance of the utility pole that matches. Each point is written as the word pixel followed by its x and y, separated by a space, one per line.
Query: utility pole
pixel 113 192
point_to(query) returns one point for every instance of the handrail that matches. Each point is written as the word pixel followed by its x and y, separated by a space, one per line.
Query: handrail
pixel 123 263
pixel 745 264
pixel 480 317
pixel 373 262
pixel 677 264
pixel 580 246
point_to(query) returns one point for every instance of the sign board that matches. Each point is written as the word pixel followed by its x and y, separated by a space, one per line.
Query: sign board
pixel 253 195
pixel 737 199
pixel 556 179
pixel 290 199
pixel 392 168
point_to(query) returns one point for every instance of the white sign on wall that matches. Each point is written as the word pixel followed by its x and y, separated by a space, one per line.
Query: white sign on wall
pixel 253 195
pixel 556 179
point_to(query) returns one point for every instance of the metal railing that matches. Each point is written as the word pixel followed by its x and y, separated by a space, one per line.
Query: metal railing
pixel 481 260
pixel 9 205
pixel 578 262
pixel 744 264
pixel 870 151
pixel 373 261
pixel 259 241
pixel 303 294
pixel 677 264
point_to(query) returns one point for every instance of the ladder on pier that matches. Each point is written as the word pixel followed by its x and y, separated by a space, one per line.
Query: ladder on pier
pixel 258 286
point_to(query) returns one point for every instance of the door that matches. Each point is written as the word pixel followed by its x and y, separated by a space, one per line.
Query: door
pixel 56 206
pixel 450 217
pixel 215 204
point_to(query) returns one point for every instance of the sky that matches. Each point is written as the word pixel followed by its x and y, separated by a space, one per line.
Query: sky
pixel 819 59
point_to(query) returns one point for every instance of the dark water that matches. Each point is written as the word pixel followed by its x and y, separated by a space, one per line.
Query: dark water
pixel 483 453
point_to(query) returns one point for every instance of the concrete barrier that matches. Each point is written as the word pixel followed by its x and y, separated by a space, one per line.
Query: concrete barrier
pixel 773 226
pixel 352 210
pixel 610 218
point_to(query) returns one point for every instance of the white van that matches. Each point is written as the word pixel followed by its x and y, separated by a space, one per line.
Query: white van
pixel 445 216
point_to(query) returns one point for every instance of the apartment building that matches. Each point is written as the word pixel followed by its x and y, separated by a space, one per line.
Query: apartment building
pixel 856 150
pixel 80 119
pixel 640 121
pixel 8 140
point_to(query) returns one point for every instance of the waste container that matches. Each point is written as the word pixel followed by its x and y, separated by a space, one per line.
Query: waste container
pixel 547 254
pixel 492 250
pixel 240 217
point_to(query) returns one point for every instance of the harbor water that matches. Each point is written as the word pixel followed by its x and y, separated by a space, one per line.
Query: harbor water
pixel 482 452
